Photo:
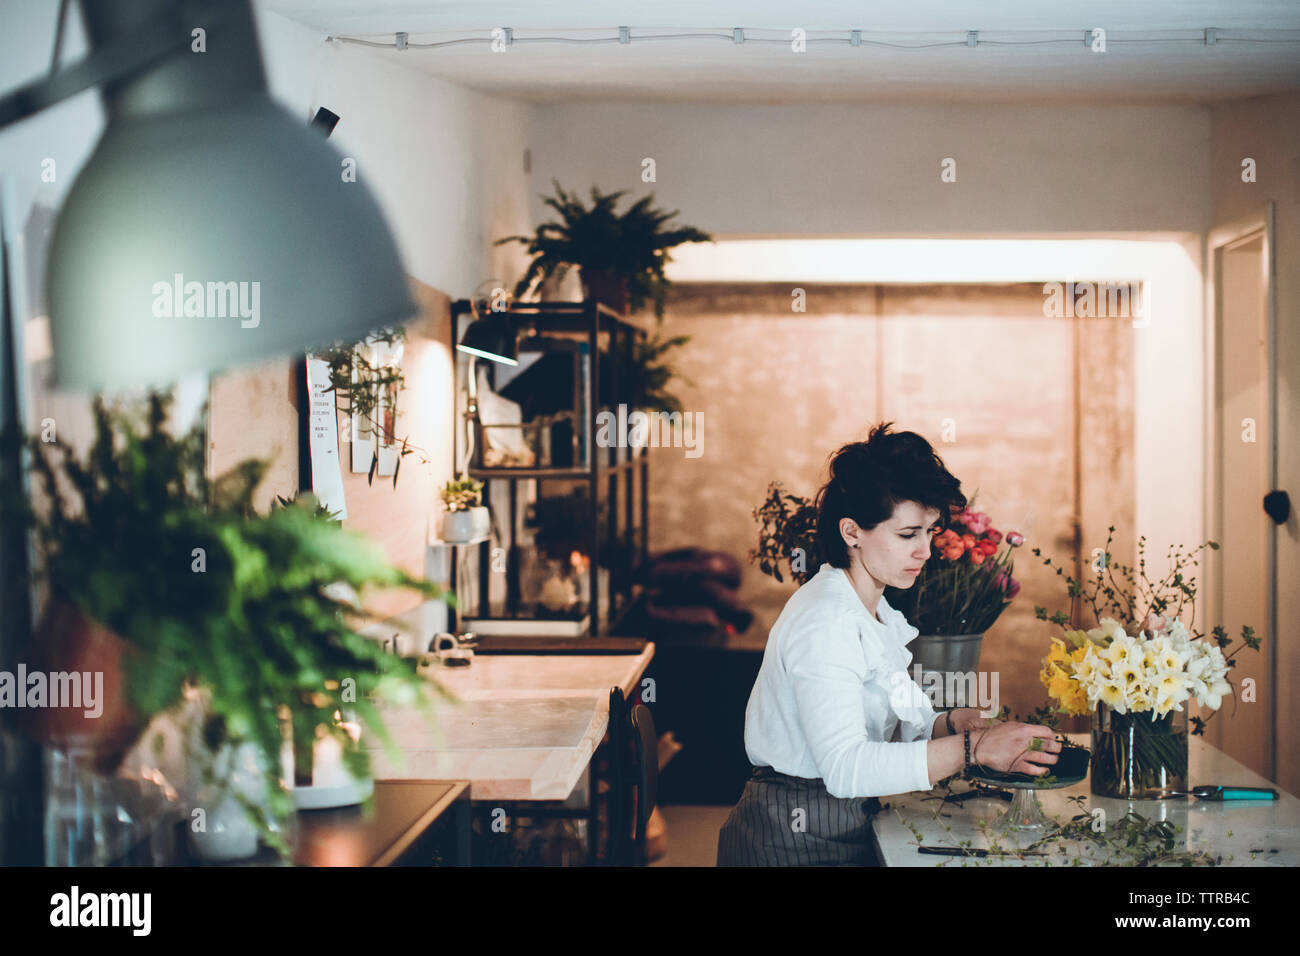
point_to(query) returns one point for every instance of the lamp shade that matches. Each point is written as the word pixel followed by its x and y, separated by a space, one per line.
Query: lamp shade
pixel 207 238
pixel 495 337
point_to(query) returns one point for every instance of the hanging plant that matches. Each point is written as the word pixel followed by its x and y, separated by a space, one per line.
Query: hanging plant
pixel 368 390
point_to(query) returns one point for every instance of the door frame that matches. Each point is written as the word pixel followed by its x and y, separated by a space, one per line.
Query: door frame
pixel 1261 224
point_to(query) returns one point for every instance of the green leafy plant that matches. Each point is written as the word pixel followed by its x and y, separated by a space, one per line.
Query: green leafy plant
pixel 632 247
pixel 643 374
pixel 214 596
pixel 318 509
pixel 461 494
pixel 787 535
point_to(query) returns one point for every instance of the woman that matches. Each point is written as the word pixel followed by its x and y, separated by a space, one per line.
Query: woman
pixel 834 718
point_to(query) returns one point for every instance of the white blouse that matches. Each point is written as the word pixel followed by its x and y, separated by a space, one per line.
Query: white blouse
pixel 834 698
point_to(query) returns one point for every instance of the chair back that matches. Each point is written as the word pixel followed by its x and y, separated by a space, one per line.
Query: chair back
pixel 646 775
pixel 618 808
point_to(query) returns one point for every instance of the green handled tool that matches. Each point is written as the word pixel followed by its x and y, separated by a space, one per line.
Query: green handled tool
pixel 1228 793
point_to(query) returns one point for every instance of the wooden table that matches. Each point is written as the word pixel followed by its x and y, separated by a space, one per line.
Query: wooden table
pixel 1231 829
pixel 396 830
pixel 400 820
pixel 525 727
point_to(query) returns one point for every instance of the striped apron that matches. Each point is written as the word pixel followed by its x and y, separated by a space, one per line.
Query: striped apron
pixel 765 828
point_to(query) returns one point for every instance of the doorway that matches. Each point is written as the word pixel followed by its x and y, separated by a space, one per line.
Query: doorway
pixel 1241 469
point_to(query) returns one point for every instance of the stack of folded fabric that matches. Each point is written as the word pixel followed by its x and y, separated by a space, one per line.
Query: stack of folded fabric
pixel 695 589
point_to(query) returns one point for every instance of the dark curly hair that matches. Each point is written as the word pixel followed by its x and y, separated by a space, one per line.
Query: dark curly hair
pixel 868 479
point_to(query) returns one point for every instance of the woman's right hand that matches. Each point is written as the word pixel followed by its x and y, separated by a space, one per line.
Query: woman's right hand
pixel 1005 747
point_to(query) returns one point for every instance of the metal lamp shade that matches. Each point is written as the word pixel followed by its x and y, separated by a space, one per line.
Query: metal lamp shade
pixel 494 337
pixel 208 238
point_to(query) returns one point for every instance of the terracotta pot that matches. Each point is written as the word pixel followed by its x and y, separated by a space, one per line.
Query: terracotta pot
pixel 69 641
pixel 606 287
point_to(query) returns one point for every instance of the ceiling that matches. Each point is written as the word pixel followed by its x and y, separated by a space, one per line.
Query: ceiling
pixel 1027 51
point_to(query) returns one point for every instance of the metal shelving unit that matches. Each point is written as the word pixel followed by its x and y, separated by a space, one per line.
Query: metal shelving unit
pixel 620 481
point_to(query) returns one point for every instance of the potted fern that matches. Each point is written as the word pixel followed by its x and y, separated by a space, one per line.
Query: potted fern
pixel 176 587
pixel 620 257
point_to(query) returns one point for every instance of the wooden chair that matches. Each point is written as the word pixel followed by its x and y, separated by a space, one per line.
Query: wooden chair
pixel 618 782
pixel 646 778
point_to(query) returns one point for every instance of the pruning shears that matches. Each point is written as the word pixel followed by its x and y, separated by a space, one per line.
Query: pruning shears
pixel 1227 793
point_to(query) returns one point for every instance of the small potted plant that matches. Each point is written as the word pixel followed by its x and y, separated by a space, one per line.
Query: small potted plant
pixel 620 258
pixel 466 518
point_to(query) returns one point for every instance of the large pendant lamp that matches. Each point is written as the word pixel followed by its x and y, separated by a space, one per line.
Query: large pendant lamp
pixel 210 228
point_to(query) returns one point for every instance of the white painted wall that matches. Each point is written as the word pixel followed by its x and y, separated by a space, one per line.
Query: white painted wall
pixel 445 163
pixel 874 170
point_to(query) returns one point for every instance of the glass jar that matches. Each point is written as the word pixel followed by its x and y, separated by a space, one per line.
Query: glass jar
pixel 125 819
pixel 1138 756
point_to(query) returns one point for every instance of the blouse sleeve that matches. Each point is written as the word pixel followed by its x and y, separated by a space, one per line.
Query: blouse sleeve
pixel 827 668
pixel 923 728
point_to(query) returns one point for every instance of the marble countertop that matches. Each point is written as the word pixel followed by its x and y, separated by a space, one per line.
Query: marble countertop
pixel 1230 829
pixel 555 675
pixel 525 726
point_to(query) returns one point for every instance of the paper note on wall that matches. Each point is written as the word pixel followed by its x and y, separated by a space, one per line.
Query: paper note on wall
pixel 326 472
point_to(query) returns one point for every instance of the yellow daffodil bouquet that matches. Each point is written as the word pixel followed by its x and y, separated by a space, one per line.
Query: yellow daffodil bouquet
pixel 1137 669
pixel 1156 670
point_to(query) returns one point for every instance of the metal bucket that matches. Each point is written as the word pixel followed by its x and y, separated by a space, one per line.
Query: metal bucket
pixel 947 654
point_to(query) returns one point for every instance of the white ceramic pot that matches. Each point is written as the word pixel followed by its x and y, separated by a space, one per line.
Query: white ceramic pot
pixel 224 830
pixel 458 526
pixel 482 520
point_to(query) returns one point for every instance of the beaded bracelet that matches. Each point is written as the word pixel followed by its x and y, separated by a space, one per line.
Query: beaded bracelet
pixel 966 735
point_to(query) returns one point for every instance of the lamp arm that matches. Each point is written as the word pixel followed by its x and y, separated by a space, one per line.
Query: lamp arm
pixel 471 413
pixel 110 63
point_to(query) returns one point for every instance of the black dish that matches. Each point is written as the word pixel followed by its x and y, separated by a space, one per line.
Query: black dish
pixel 1071 767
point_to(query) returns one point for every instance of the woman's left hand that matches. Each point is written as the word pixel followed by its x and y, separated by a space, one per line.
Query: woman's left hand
pixel 967 718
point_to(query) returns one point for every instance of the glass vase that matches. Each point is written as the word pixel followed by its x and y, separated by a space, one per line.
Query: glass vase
pixel 1137 755
pixel 126 819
